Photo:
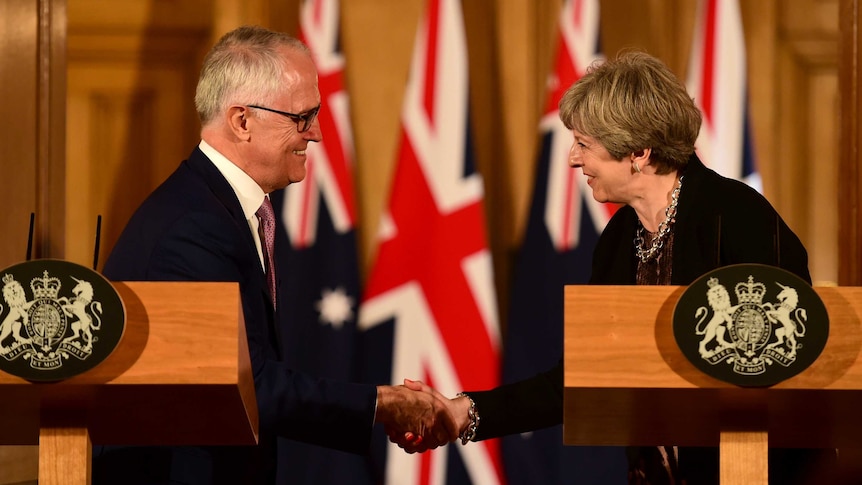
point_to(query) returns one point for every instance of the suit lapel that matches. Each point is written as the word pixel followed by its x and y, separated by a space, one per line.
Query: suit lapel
pixel 220 187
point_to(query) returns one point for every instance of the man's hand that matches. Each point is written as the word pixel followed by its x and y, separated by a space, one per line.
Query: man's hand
pixel 415 420
pixel 457 408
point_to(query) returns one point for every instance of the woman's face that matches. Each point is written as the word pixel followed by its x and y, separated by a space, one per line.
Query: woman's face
pixel 609 178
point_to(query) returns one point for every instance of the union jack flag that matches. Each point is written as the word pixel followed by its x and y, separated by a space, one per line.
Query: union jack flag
pixel 430 297
pixel 320 270
pixel 563 227
pixel 717 82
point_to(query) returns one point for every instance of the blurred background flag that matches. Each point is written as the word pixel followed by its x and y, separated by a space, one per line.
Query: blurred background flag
pixel 321 269
pixel 429 309
pixel 717 81
pixel 562 229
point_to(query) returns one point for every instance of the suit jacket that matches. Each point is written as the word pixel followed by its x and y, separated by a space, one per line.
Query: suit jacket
pixel 192 228
pixel 719 222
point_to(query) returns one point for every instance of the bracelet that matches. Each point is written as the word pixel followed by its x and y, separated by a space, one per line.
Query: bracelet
pixel 469 434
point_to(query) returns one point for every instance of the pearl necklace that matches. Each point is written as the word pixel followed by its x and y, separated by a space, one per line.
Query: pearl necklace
pixel 645 254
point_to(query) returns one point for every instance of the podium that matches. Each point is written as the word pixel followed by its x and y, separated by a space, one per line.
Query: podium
pixel 627 383
pixel 181 375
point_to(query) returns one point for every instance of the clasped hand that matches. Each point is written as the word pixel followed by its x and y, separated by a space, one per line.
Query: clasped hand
pixel 418 418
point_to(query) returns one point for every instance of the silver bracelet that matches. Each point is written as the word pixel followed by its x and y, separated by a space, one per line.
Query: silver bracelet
pixel 469 434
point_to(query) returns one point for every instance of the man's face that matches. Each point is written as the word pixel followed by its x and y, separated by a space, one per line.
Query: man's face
pixel 278 147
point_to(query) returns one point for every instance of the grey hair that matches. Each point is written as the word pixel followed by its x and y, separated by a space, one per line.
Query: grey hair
pixel 632 103
pixel 245 66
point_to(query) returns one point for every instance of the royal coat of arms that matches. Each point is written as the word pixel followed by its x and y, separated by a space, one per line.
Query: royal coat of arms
pixel 758 335
pixel 50 326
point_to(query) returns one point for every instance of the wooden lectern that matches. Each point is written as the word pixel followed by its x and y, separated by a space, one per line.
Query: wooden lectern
pixel 181 375
pixel 627 383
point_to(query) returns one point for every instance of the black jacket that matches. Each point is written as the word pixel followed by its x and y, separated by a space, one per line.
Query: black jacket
pixel 719 222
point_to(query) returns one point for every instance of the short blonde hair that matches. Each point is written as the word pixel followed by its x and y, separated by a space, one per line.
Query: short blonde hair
pixel 632 103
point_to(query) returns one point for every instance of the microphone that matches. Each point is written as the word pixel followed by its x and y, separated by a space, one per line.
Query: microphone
pixel 718 241
pixel 776 241
pixel 98 238
pixel 30 237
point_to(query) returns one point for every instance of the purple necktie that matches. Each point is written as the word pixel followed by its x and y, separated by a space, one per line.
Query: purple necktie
pixel 266 230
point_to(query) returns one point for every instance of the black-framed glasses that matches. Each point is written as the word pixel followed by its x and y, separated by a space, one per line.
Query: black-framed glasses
pixel 303 120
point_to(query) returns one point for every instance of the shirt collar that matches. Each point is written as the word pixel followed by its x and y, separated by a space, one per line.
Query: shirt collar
pixel 250 194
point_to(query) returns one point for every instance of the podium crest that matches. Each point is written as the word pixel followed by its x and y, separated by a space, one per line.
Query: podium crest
pixel 54 332
pixel 758 338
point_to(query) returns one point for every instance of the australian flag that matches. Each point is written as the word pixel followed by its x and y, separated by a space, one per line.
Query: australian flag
pixel 563 228
pixel 320 271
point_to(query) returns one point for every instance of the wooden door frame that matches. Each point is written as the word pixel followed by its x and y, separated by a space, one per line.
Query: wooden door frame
pixel 51 130
pixel 850 178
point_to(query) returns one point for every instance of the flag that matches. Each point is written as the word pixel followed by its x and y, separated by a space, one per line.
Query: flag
pixel 320 270
pixel 562 229
pixel 429 305
pixel 717 82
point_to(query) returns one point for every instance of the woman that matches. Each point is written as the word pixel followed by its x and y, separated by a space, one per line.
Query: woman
pixel 634 128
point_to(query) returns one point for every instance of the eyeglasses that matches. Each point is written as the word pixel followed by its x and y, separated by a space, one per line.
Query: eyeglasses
pixel 303 120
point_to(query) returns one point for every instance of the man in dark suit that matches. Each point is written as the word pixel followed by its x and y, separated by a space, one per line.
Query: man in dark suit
pixel 257 98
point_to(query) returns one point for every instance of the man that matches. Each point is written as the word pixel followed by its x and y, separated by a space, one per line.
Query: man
pixel 257 98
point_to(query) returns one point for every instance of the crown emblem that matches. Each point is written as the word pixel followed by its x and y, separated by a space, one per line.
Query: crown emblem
pixel 45 287
pixel 7 278
pixel 750 292
pixel 712 282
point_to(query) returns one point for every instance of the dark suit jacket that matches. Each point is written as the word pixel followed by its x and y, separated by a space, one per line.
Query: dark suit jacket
pixel 191 228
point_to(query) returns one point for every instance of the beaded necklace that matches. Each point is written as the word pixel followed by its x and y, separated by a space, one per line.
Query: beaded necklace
pixel 645 254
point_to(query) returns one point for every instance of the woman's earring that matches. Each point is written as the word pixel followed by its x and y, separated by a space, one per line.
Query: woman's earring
pixel 636 167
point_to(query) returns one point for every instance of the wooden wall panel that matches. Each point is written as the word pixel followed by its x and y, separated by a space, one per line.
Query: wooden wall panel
pixel 821 164
pixel 850 181
pixel 19 465
pixel 132 71
pixel 32 86
pixel 806 82
pixel 126 138
pixel 32 83
pixel 18 44
pixel 280 15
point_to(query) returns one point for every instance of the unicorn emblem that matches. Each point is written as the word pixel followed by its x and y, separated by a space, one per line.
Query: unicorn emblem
pixel 791 319
pixel 77 306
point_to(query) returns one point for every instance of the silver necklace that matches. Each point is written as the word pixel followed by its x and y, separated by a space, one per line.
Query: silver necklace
pixel 645 254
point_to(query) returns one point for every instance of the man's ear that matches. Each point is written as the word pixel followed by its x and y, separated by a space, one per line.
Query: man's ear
pixel 237 121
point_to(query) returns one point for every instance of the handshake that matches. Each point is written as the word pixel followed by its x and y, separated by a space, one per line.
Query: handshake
pixel 418 418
